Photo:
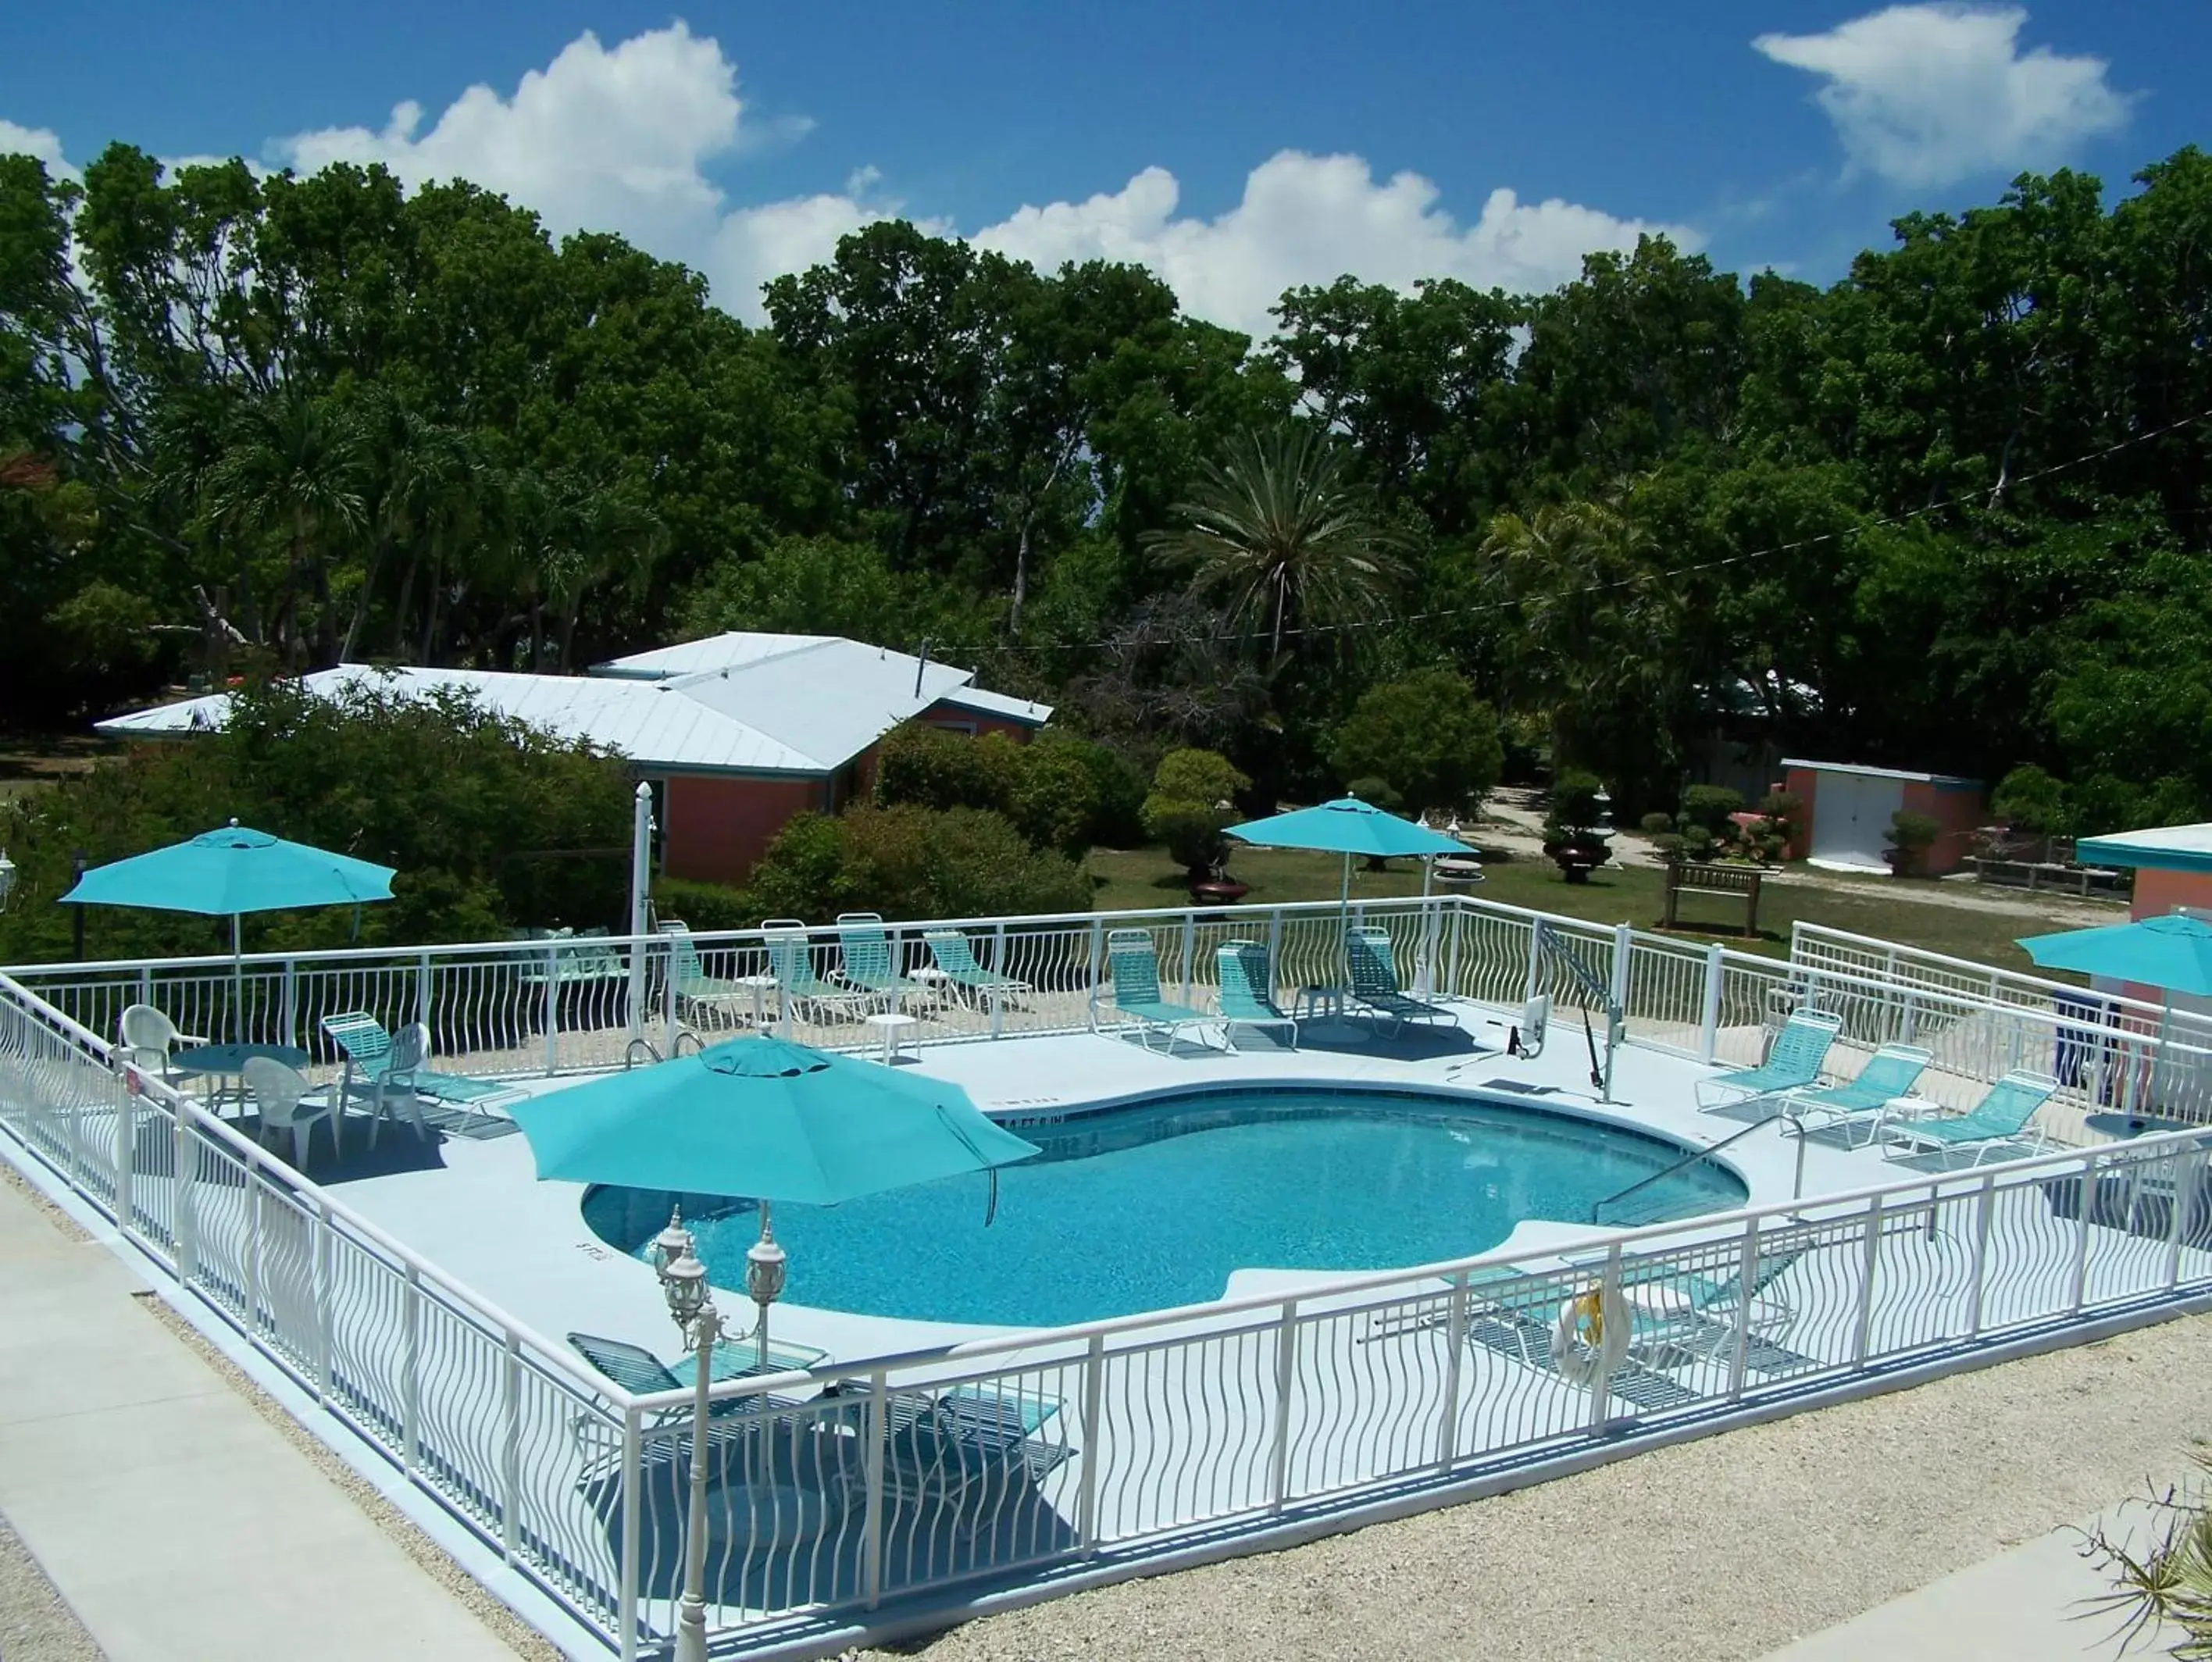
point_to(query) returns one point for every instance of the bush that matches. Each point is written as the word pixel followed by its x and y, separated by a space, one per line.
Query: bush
pixel 1377 793
pixel 2030 799
pixel 1118 820
pixel 1054 798
pixel 1436 744
pixel 1710 806
pixel 1185 809
pixel 1050 788
pixel 1911 836
pixel 1573 809
pixel 909 861
pixel 703 906
pixel 1698 843
pixel 1657 825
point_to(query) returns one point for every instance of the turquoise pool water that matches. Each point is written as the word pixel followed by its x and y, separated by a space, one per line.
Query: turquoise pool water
pixel 1153 1205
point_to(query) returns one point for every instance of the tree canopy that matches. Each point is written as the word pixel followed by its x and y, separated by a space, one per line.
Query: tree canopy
pixel 1949 512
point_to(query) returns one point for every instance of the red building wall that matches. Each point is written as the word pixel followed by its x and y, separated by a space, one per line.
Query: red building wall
pixel 1803 783
pixel 718 827
pixel 1958 810
pixel 2158 893
pixel 974 721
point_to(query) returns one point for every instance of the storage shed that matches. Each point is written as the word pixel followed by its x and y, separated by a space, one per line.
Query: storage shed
pixel 1849 808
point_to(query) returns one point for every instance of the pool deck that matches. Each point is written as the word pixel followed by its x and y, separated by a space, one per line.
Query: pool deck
pixel 474 1208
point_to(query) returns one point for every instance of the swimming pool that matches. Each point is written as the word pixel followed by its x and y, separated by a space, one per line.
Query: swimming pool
pixel 1152 1205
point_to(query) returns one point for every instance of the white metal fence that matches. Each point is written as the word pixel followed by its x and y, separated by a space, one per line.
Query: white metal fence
pixel 867 1482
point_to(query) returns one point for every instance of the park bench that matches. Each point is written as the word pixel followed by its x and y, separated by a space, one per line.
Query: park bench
pixel 1739 882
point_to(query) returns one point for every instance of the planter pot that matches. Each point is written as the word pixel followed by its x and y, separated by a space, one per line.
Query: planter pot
pixel 1222 892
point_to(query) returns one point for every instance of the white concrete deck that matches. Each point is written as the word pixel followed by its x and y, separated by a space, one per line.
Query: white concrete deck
pixel 476 1209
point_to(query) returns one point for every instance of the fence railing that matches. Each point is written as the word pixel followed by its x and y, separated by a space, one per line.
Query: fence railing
pixel 874 1479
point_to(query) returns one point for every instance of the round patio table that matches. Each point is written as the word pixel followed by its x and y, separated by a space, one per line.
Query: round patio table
pixel 221 1062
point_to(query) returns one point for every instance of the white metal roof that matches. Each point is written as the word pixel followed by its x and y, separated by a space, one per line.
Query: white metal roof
pixel 1949 780
pixel 998 703
pixel 770 704
pixel 2164 848
pixel 643 720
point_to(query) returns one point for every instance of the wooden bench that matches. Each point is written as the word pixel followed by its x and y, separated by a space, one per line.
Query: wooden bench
pixel 1739 882
pixel 2047 874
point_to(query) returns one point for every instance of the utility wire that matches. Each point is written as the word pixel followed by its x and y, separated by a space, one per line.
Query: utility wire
pixel 1889 522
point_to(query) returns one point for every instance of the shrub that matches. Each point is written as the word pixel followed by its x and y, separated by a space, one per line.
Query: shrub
pixel 1657 825
pixel 1118 820
pixel 1427 733
pixel 802 874
pixel 1050 788
pixel 703 906
pixel 1185 810
pixel 1699 843
pixel 1377 792
pixel 2030 799
pixel 1573 811
pixel 1055 796
pixel 909 861
pixel 1910 836
pixel 1710 806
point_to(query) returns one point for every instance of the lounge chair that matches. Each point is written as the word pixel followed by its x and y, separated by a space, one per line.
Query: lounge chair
pixel 791 961
pixel 695 990
pixel 148 1036
pixel 1375 986
pixel 1697 1312
pixel 641 1372
pixel 1246 984
pixel 1997 1124
pixel 1889 1074
pixel 1136 967
pixel 1793 1064
pixel 967 1450
pixel 410 1071
pixel 956 958
pixel 282 1095
pixel 868 965
pixel 371 1053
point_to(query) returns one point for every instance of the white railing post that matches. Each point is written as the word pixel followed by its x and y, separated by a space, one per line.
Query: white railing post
pixel 1094 1393
pixel 291 1002
pixel 871 1528
pixel 1275 945
pixel 1985 1217
pixel 425 1000
pixel 632 1502
pixel 552 1010
pixel 256 1286
pixel 1190 952
pixel 1455 989
pixel 1287 1375
pixel 1455 1343
pixel 182 1225
pixel 410 1362
pixel 127 1152
pixel 1097 963
pixel 2186 1165
pixel 1709 1015
pixel 1600 1407
pixel 1746 1289
pixel 998 967
pixel 510 1454
pixel 2077 1289
pixel 1869 1267
pixel 319 1279
pixel 1535 978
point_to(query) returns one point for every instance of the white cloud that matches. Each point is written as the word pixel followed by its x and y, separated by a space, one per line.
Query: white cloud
pixel 1930 95
pixel 41 142
pixel 1307 219
pixel 627 139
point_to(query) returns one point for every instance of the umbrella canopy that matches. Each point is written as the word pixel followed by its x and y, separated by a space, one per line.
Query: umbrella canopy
pixel 223 873
pixel 1347 826
pixel 2174 952
pixel 766 1119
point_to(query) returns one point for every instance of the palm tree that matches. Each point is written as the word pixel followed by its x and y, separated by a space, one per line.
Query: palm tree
pixel 1279 528
pixel 1595 621
pixel 291 471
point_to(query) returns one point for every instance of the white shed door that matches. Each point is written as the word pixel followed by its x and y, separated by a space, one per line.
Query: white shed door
pixel 1850 813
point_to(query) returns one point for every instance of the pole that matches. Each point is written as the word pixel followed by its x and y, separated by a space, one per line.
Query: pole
pixel 237 984
pixel 641 878
pixel 691 1614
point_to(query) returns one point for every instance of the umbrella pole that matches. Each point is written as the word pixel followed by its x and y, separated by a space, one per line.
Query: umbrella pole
pixel 237 986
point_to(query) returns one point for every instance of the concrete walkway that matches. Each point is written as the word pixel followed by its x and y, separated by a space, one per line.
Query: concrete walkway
pixel 2040 1602
pixel 176 1522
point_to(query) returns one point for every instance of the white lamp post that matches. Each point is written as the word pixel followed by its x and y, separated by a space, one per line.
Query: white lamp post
pixel 683 1281
pixel 764 1273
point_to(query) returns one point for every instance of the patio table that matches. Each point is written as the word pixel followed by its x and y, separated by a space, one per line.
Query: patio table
pixel 221 1062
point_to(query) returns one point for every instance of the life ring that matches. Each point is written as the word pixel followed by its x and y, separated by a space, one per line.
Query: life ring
pixel 1590 1339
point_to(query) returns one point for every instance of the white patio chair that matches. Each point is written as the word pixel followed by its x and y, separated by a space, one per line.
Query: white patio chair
pixel 148 1036
pixel 281 1093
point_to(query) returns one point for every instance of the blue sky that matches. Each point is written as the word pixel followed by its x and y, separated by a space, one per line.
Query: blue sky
pixel 1234 147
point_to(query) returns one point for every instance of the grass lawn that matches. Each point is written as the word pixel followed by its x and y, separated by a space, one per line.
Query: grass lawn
pixel 1129 879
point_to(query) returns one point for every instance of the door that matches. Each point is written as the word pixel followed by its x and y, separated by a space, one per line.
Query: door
pixel 1850 814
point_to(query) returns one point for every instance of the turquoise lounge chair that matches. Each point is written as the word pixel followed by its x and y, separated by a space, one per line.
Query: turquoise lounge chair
pixel 371 1053
pixel 1136 967
pixel 967 1452
pixel 1793 1064
pixel 668 1434
pixel 1697 1312
pixel 694 988
pixel 866 951
pixel 791 961
pixel 956 958
pixel 1889 1074
pixel 1246 986
pixel 1997 1124
pixel 411 1069
pixel 1375 984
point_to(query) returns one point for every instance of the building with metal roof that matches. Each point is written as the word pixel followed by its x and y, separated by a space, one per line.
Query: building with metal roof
pixel 737 732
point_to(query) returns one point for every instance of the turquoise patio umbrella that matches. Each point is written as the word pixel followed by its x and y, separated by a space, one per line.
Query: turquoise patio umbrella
pixel 1348 827
pixel 229 872
pixel 2172 953
pixel 764 1119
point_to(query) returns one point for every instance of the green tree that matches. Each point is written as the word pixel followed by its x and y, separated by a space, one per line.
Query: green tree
pixel 1192 797
pixel 1427 736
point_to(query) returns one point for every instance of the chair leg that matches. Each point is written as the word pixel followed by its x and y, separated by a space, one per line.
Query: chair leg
pixel 301 1130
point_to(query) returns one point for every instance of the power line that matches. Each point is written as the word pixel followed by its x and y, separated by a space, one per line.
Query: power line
pixel 1889 522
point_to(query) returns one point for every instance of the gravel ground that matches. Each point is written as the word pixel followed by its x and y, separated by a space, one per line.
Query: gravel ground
pixel 35 1625
pixel 1709 1551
